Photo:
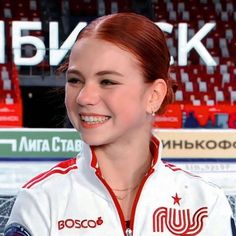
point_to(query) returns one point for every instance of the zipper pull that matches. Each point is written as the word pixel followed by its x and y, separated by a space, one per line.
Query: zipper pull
pixel 129 232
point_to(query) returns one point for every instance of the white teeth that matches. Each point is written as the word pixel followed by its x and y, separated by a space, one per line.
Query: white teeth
pixel 94 119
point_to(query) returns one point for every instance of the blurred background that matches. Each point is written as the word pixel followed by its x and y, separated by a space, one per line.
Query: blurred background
pixel 198 131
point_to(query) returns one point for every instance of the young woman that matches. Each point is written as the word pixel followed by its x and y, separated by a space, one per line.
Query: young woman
pixel 117 79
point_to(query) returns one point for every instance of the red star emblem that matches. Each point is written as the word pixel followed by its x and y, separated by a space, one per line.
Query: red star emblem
pixel 176 199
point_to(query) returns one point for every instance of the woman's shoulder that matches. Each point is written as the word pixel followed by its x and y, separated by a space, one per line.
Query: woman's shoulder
pixel 181 177
pixel 55 175
pixel 195 190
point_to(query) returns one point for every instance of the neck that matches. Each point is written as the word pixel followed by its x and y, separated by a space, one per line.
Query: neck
pixel 123 166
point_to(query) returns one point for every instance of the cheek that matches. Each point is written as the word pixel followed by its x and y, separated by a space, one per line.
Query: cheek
pixel 132 106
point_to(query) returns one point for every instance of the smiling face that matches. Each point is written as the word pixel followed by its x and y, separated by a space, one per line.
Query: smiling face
pixel 106 98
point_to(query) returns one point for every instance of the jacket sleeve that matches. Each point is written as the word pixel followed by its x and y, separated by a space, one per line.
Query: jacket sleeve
pixel 220 218
pixel 29 215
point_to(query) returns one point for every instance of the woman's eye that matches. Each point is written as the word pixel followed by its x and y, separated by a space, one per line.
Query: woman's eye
pixel 107 82
pixel 73 80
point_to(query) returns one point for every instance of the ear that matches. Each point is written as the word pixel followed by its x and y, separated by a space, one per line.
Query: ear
pixel 158 92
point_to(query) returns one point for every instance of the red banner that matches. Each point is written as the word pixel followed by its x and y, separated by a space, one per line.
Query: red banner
pixel 218 116
pixel 189 116
pixel 11 115
pixel 171 119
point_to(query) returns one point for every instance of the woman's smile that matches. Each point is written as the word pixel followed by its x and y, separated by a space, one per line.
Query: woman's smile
pixel 93 120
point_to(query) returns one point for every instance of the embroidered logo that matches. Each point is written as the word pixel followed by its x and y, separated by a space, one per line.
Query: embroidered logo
pixel 179 221
pixel 78 224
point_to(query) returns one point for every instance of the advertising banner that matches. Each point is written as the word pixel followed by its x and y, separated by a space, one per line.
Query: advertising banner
pixel 179 116
pixel 11 115
pixel 39 143
pixel 198 143
pixel 65 143
pixel 217 116
pixel 171 119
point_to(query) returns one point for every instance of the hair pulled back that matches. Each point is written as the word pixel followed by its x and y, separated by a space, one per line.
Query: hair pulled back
pixel 140 36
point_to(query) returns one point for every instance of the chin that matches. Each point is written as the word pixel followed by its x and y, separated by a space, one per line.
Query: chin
pixel 93 141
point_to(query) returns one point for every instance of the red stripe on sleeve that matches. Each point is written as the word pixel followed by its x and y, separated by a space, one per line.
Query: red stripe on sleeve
pixel 62 168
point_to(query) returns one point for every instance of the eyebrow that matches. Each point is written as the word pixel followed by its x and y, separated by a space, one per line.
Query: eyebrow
pixel 100 73
pixel 74 71
pixel 109 72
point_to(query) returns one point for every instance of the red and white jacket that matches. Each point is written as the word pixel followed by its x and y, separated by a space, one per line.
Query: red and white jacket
pixel 73 199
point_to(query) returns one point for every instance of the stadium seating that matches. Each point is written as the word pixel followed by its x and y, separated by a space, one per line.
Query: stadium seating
pixel 220 43
pixel 197 84
pixel 9 11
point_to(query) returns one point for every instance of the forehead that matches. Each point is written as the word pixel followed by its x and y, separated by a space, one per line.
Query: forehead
pixel 102 54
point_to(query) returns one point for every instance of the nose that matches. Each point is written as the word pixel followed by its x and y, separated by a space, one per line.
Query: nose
pixel 88 95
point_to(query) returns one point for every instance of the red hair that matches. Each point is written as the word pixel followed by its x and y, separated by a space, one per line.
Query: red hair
pixel 140 36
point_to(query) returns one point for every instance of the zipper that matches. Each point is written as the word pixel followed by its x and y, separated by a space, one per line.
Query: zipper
pixel 136 200
pixel 115 201
pixel 129 232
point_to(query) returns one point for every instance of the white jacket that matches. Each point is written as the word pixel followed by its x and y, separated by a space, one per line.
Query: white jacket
pixel 73 199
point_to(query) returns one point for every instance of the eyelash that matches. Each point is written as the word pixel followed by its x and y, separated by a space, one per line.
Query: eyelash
pixel 104 82
pixel 108 82
pixel 74 80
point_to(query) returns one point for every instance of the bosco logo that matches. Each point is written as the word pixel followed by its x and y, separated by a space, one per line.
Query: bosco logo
pixel 78 224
